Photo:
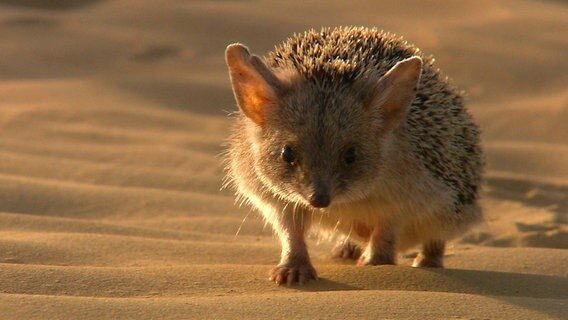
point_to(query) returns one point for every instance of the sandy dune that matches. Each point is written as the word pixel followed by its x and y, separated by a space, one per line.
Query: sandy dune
pixel 112 116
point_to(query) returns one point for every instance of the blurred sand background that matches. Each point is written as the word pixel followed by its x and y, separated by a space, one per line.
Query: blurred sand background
pixel 112 115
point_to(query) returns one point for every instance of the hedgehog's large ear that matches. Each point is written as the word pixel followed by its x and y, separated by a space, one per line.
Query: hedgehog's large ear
pixel 396 90
pixel 255 86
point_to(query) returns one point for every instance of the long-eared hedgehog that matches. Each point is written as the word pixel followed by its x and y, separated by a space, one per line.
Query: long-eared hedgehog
pixel 353 131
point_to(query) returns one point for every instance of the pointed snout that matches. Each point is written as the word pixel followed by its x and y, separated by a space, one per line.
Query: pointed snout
pixel 320 198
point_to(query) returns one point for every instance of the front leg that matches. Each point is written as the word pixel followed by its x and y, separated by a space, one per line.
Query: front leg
pixel 381 247
pixel 295 265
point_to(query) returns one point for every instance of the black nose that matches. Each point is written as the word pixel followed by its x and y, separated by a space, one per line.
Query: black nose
pixel 320 199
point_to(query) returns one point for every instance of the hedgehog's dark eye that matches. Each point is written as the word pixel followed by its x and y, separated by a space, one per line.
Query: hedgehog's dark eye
pixel 288 154
pixel 349 156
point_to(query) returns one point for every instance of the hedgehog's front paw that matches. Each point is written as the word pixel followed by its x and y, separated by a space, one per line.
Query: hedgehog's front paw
pixel 289 273
pixel 346 250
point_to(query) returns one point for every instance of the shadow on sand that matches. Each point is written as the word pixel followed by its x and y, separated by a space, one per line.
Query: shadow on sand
pixel 503 286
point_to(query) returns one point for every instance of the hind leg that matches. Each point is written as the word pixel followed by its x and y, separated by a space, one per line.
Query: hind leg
pixel 432 255
pixel 380 249
pixel 346 249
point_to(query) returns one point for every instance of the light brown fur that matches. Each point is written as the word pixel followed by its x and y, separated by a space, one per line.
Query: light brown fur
pixel 417 162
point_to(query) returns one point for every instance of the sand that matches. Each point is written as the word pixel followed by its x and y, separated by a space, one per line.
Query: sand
pixel 112 116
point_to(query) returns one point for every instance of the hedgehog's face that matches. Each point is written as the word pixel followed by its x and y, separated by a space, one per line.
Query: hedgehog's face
pixel 319 147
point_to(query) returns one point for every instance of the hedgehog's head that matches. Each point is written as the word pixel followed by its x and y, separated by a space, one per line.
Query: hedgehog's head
pixel 319 142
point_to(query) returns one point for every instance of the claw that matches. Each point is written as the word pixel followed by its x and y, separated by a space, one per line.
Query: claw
pixel 291 275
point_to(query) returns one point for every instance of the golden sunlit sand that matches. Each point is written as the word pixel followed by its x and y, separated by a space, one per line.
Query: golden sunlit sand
pixel 112 117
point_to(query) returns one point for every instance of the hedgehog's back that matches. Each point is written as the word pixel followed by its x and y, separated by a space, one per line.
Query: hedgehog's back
pixel 343 54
